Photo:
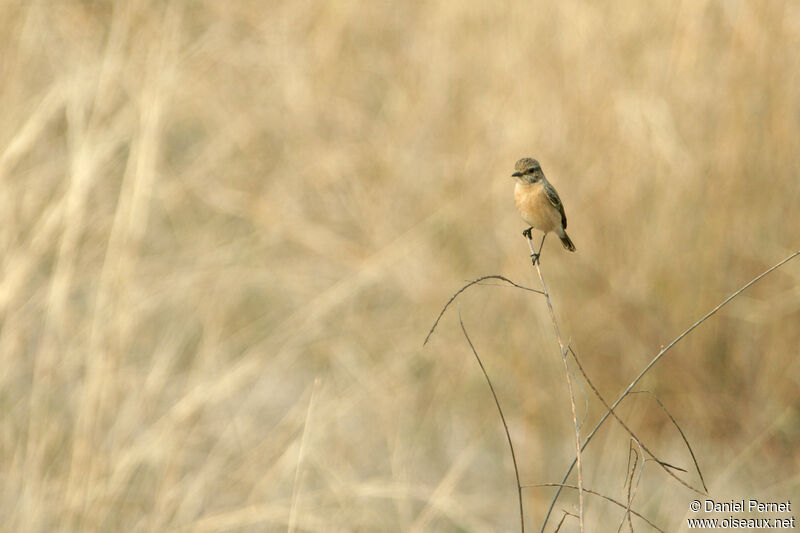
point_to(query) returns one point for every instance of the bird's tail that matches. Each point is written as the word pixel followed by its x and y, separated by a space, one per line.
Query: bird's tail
pixel 566 242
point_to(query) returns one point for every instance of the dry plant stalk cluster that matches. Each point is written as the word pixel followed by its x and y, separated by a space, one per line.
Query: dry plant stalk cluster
pixel 635 442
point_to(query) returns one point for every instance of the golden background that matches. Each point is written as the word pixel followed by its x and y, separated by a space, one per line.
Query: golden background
pixel 227 227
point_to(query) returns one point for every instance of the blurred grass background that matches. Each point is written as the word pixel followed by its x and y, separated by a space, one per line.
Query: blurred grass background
pixel 227 227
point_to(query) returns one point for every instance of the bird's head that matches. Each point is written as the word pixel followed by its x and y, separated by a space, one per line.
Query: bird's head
pixel 528 170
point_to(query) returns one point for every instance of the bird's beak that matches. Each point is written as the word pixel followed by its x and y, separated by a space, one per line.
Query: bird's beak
pixel 516 174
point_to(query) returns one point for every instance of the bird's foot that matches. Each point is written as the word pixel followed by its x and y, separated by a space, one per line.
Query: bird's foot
pixel 527 233
pixel 535 259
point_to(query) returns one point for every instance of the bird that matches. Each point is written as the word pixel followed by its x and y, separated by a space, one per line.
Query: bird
pixel 538 203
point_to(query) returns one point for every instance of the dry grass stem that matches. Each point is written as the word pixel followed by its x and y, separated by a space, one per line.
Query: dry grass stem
pixel 503 419
pixel 595 493
pixel 568 378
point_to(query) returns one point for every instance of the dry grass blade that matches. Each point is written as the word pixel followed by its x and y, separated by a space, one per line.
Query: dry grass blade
pixel 655 359
pixel 467 286
pixel 595 493
pixel 678 427
pixel 292 522
pixel 502 418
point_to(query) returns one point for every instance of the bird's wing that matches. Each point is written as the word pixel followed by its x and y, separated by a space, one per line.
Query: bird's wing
pixel 552 195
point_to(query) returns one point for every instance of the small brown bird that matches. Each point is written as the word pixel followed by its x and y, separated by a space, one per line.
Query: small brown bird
pixel 538 203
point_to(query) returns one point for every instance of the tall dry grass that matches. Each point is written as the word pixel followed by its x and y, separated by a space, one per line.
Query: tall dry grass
pixel 226 228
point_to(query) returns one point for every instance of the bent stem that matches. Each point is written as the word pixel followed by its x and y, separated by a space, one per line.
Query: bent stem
pixel 465 287
pixel 563 349
pixel 503 419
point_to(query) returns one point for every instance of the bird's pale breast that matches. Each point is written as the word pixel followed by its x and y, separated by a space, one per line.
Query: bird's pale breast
pixel 535 208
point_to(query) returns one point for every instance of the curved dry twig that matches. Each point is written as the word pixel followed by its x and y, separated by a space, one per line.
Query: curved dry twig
pixel 653 362
pixel 467 286
pixel 594 492
pixel 502 418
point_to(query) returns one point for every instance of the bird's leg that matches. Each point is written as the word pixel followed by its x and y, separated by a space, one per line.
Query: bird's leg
pixel 535 255
pixel 527 233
